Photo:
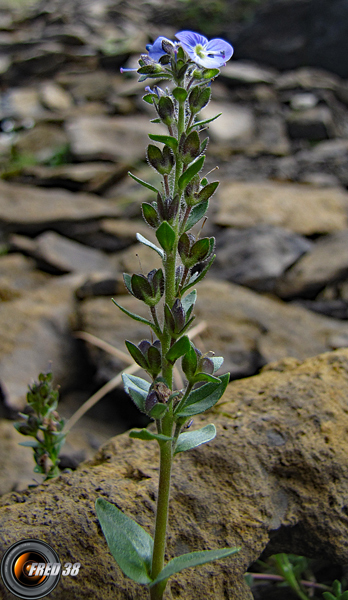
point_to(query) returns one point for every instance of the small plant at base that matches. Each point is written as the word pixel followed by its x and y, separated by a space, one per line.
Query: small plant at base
pixel 190 64
pixel 44 425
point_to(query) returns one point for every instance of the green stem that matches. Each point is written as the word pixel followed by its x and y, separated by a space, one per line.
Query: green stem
pixel 162 508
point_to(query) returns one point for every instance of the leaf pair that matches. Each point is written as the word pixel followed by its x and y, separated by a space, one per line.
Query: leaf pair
pixel 132 547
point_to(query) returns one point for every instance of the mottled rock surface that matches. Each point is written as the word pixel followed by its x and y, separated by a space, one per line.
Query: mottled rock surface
pixel 274 479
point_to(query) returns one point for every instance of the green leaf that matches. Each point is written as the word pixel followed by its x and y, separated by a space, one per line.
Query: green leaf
pixel 166 236
pixel 205 122
pixel 130 545
pixel 190 172
pixel 149 98
pixel 192 559
pixel 180 94
pixel 189 301
pixel 210 73
pixel 144 183
pixel 200 276
pixel 203 398
pixel 337 587
pixel 137 355
pixel 181 346
pixel 137 317
pixel 204 377
pixel 192 439
pixel 145 434
pixel 156 121
pixel 344 596
pixel 128 282
pixel 328 596
pixel 150 214
pixel 218 362
pixel 147 242
pixel 137 388
pixel 169 140
pixel 196 214
pixel 30 444
pixel 158 411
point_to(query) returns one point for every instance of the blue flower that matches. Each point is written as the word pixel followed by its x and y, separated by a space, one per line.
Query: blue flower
pixel 155 50
pixel 211 55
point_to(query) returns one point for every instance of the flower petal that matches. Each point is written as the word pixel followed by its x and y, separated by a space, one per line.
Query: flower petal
pixel 191 39
pixel 219 46
pixel 155 50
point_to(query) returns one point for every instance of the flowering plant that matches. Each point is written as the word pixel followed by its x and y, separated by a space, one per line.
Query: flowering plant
pixel 189 64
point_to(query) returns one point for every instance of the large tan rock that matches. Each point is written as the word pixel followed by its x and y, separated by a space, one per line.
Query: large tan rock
pixel 304 209
pixel 274 479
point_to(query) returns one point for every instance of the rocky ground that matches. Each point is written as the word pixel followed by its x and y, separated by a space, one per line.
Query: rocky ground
pixel 72 126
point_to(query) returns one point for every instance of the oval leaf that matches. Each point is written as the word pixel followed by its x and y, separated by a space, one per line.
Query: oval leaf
pixel 178 349
pixel 130 545
pixel 192 439
pixel 169 140
pixel 190 172
pixel 192 559
pixel 203 398
pixel 166 236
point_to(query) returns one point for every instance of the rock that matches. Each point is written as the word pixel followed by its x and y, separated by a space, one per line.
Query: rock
pixel 130 195
pixel 90 177
pixel 109 138
pixel 311 124
pixel 256 257
pixel 337 309
pixel 98 284
pixel 22 103
pixel 91 87
pixel 27 209
pixel 16 463
pixel 303 101
pixel 282 436
pixel 18 275
pixel 59 255
pixel 42 143
pixel 270 136
pixel 126 231
pixel 34 333
pixel 54 97
pixel 239 72
pixel 303 209
pixel 307 78
pixel 249 330
pixel 235 126
pixel 325 263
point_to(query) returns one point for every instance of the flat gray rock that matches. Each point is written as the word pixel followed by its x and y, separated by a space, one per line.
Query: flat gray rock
pixel 249 330
pixel 326 263
pixel 303 209
pixel 25 208
pixel 256 257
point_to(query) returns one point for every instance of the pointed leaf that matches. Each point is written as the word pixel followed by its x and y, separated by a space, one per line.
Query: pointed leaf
pixel 137 317
pixel 169 140
pixel 30 444
pixel 192 439
pixel 205 122
pixel 137 388
pixel 190 172
pixel 328 596
pixel 137 355
pixel 192 559
pixel 181 346
pixel 150 214
pixel 204 377
pixel 147 242
pixel 145 434
pixel 144 183
pixel 166 236
pixel 130 545
pixel 203 398
pixel 196 214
